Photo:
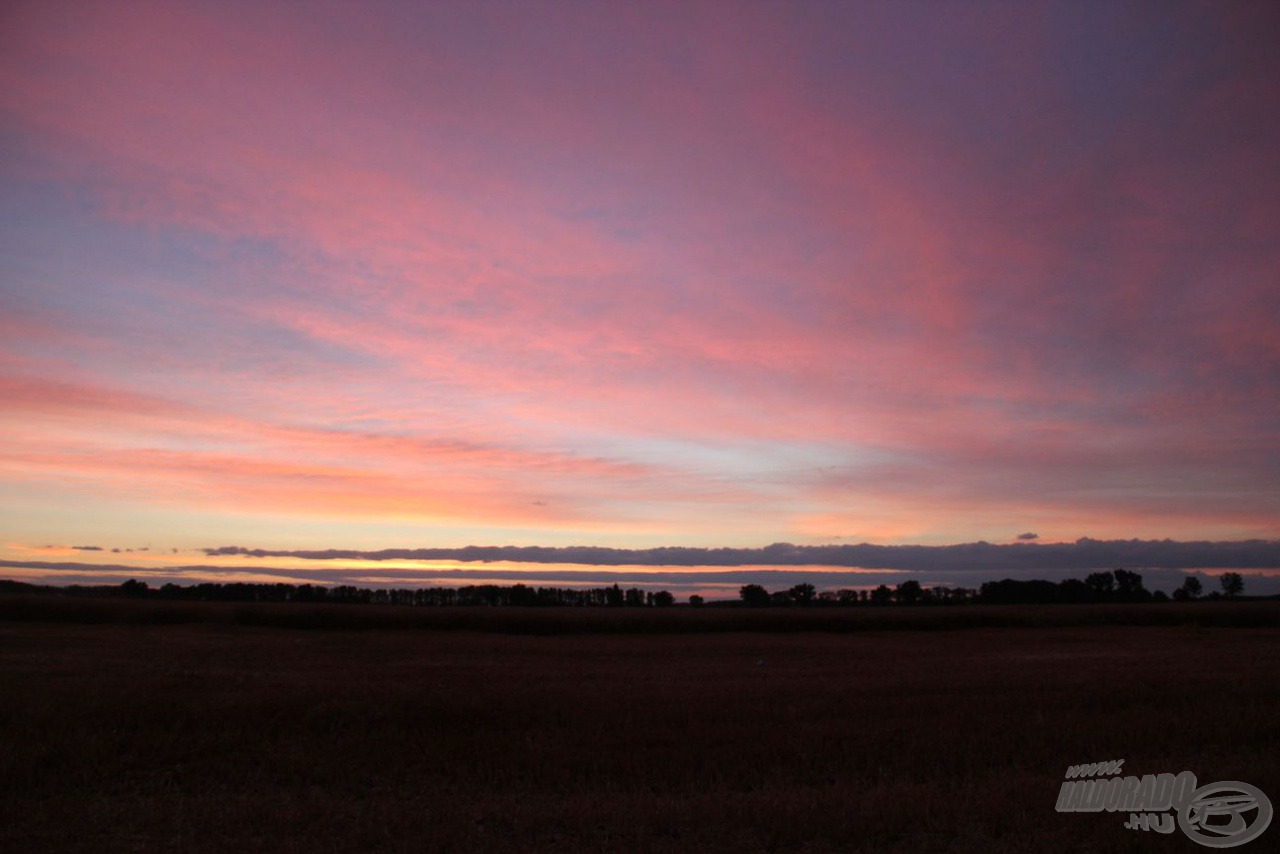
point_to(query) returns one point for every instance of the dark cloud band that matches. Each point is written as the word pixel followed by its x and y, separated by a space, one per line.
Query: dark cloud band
pixel 981 556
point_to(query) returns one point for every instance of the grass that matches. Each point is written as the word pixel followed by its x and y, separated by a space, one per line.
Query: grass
pixel 202 729
pixel 597 620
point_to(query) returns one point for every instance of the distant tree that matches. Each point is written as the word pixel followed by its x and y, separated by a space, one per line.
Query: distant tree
pixel 696 601
pixel 951 595
pixel 1009 591
pixel 663 599
pixel 1129 585
pixel 355 595
pixel 134 588
pixel 1191 587
pixel 523 595
pixel 1073 590
pixel 803 593
pixel 754 595
pixel 781 598
pixel 309 593
pixel 634 597
pixel 1101 584
pixel 881 595
pixel 908 592
pixel 613 596
pixel 1159 596
pixel 847 597
pixel 1232 584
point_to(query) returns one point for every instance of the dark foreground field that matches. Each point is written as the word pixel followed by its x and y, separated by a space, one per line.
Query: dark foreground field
pixel 212 735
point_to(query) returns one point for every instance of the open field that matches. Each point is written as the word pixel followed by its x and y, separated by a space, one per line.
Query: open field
pixel 679 620
pixel 204 733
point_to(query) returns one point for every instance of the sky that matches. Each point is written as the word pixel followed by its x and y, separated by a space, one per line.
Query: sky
pixel 397 275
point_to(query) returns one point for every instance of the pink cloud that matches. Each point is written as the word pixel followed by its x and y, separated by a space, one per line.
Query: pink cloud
pixel 714 242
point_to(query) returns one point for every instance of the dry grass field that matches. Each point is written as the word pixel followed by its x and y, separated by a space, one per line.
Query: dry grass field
pixel 220 729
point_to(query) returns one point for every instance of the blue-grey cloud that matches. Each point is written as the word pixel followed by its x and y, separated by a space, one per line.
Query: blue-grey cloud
pixel 1084 553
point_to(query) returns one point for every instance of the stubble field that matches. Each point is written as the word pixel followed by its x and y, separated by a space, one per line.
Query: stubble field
pixel 218 736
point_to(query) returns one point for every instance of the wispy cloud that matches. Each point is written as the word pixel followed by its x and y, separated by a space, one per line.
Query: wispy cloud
pixel 810 271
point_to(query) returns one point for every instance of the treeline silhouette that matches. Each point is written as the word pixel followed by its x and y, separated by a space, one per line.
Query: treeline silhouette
pixel 489 595
pixel 1119 585
pixel 1098 587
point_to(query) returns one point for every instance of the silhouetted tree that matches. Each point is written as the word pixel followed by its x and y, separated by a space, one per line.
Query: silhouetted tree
pixel 952 595
pixel 357 595
pixel 310 593
pixel 663 599
pixel 1129 585
pixel 1009 591
pixel 1191 588
pixel 1102 584
pixel 881 595
pixel 134 588
pixel 1232 584
pixel 696 601
pixel 803 593
pixel 754 595
pixel 522 595
pixel 614 596
pixel 908 592
pixel 1074 590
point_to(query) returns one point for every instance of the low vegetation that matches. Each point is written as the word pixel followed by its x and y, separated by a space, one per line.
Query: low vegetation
pixel 187 726
pixel 679 620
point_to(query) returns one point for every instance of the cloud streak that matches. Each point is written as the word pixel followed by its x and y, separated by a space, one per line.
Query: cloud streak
pixel 1012 557
pixel 643 274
